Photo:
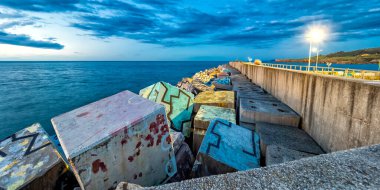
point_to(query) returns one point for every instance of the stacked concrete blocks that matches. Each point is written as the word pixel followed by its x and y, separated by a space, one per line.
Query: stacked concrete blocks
pixel 252 111
pixel 120 138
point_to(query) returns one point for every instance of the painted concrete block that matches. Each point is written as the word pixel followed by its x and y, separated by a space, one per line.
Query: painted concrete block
pixel 279 154
pixel 124 137
pixel 185 84
pixel 200 87
pixel 178 104
pixel 28 160
pixel 227 148
pixel 224 99
pixel 203 118
pixel 247 87
pixel 185 160
pixel 252 111
pixel 286 136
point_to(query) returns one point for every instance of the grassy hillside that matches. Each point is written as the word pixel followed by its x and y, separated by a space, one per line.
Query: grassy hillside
pixel 371 55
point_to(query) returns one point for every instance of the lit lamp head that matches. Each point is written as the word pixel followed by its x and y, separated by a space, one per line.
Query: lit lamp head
pixel 316 34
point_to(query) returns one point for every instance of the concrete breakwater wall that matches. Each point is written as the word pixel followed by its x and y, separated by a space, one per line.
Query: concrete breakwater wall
pixel 338 113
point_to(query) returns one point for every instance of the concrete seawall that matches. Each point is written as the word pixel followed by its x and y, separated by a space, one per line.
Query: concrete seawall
pixel 338 113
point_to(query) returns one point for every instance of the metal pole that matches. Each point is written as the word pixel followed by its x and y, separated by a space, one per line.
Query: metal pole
pixel 316 62
pixel 308 68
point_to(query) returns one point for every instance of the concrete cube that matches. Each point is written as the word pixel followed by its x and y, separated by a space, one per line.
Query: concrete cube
pixel 203 118
pixel 200 87
pixel 256 95
pixel 227 148
pixel 247 87
pixel 250 126
pixel 185 159
pixel 224 99
pixel 178 139
pixel 124 137
pixel 178 104
pixel 252 111
pixel 279 154
pixel 28 160
pixel 286 136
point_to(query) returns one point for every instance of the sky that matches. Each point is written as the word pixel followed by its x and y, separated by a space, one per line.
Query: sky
pixel 177 30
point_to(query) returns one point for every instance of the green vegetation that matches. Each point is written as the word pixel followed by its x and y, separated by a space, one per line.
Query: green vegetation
pixel 371 55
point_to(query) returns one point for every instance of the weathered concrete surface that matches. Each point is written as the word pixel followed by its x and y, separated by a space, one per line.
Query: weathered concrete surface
pixel 203 118
pixel 352 169
pixel 286 136
pixel 225 99
pixel 251 111
pixel 279 154
pixel 28 160
pixel 338 113
pixel 225 148
pixel 185 160
pixel 124 137
pixel 178 104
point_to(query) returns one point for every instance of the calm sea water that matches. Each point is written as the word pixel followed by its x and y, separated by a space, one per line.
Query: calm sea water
pixel 37 91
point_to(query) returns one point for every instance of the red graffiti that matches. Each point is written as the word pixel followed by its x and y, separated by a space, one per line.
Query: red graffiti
pixel 130 158
pixel 168 139
pixel 160 119
pixel 138 145
pixel 150 139
pixel 123 141
pixel 97 164
pixel 158 139
pixel 138 153
pixel 83 114
pixel 153 128
pixel 164 129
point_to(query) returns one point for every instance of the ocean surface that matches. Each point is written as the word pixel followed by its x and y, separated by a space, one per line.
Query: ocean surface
pixel 33 92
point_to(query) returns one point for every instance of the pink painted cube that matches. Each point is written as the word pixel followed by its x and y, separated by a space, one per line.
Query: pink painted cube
pixel 120 138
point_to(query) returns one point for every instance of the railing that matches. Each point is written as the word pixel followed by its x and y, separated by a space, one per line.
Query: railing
pixel 350 73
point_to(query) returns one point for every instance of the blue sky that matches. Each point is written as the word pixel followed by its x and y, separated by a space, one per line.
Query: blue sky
pixel 181 29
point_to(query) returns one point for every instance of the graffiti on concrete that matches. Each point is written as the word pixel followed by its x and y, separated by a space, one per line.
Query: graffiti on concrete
pixel 24 156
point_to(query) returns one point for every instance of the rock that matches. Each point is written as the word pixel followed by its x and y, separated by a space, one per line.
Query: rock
pixel 227 147
pixel 224 99
pixel 178 104
pixel 123 137
pixel 28 160
pixel 286 136
pixel 252 111
pixel 279 154
pixel 203 118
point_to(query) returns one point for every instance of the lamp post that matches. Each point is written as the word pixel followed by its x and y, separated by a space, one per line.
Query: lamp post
pixel 316 61
pixel 315 35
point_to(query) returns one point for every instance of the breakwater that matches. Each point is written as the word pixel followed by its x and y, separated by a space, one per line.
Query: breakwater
pixel 338 113
pixel 216 122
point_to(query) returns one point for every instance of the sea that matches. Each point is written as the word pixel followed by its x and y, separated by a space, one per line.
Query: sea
pixel 32 92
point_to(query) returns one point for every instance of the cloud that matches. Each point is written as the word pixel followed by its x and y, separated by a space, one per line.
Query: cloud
pixel 23 40
pixel 258 23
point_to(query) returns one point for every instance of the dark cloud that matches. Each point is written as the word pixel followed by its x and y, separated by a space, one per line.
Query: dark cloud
pixel 23 40
pixel 180 23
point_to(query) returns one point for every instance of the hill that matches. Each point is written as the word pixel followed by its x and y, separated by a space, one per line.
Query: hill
pixel 362 56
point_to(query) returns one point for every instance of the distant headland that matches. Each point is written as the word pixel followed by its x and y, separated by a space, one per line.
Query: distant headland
pixel 362 56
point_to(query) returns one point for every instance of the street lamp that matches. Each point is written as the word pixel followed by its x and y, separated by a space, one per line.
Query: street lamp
pixel 315 35
pixel 316 50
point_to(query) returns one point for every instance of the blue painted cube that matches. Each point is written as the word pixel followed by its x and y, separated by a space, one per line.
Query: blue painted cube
pixel 226 148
